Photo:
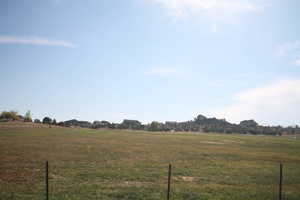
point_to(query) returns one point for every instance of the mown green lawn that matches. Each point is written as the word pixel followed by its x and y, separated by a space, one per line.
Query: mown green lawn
pixel 113 164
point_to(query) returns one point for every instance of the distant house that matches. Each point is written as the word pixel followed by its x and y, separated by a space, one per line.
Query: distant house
pixel 21 118
pixel 101 124
pixel 74 122
pixel 171 125
pixel 131 124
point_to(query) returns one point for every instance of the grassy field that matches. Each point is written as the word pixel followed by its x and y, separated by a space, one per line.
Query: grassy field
pixel 113 164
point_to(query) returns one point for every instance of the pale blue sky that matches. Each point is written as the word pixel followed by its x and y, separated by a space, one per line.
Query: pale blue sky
pixel 151 59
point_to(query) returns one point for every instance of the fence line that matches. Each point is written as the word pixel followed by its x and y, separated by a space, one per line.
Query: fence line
pixel 51 179
pixel 168 182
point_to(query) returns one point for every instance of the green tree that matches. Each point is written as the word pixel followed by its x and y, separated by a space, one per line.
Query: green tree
pixel 47 120
pixel 155 126
pixel 37 121
pixel 27 117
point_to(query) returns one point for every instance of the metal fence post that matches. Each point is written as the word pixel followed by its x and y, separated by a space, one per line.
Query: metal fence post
pixel 46 180
pixel 169 182
pixel 280 183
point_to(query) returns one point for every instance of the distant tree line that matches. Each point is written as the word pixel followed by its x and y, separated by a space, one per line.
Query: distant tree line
pixel 199 124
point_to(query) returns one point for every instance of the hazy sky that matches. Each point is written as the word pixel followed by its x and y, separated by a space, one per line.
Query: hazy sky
pixel 151 59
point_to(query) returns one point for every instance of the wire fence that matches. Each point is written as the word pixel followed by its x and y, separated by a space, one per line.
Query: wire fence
pixel 81 180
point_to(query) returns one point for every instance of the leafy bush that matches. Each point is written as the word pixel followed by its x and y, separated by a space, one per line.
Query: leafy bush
pixel 12 115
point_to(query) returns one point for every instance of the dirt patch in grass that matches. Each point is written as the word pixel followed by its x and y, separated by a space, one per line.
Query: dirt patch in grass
pixel 185 178
pixel 232 141
pixel 126 184
pixel 211 142
pixel 222 142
